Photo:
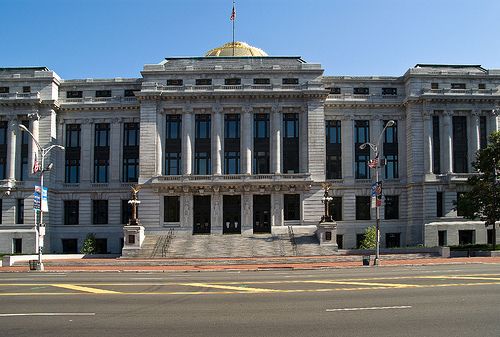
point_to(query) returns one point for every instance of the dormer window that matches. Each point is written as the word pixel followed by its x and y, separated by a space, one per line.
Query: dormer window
pixel 74 94
pixel 434 86
pixel 334 91
pixel 232 81
pixel 26 89
pixel 458 85
pixel 204 81
pixel 4 90
pixel 290 81
pixel 361 91
pixel 481 86
pixel 174 82
pixel 128 93
pixel 389 91
pixel 262 81
pixel 103 93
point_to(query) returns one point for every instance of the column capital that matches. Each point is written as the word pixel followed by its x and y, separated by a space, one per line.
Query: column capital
pixel 217 108
pixel 276 108
pixel 448 113
pixel 247 108
pixel 427 114
pixel 188 109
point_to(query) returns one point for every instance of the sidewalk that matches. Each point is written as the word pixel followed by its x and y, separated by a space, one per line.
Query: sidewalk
pixel 242 264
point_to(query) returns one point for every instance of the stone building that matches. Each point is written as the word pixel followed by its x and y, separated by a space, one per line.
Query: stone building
pixel 241 145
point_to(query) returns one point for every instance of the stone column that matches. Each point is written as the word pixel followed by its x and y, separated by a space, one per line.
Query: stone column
pixel 247 211
pixel 160 145
pixel 492 122
pixel 303 141
pixel 217 140
pixel 147 143
pixel 276 140
pixel 87 143
pixel 347 134
pixel 116 146
pixel 187 141
pixel 428 142
pixel 246 140
pixel 277 207
pixel 475 138
pixel 11 147
pixel 217 209
pixel 186 209
pixel 447 142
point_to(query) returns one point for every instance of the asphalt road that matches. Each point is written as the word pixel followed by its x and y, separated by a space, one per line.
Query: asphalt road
pixel 461 300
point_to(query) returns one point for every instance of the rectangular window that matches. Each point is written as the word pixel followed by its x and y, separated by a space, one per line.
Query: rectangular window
pixel 261 158
pixel 458 85
pixel 439 204
pixel 481 86
pixel 340 241
pixel 392 240
pixel 103 93
pixel 203 81
pixel 26 89
pixel 390 146
pixel 4 90
pixel 389 91
pixel 101 167
pixel 173 145
pixel 483 133
pixel 290 81
pixel 69 246
pixel 335 208
pixel 231 144
pixel 17 246
pixel 202 163
pixel 71 212
pixel 291 206
pixel 129 92
pixel 20 211
pixel 442 238
pixel 174 123
pixel 232 81
pixel 361 91
pixel 130 152
pixel 99 212
pixel 202 127
pixel 263 81
pixel 436 146
pixel 101 153
pixel 74 94
pixel 102 135
pixel 361 156
pixel 172 163
pixel 359 239
pixel 363 208
pixel 466 237
pixel 232 126
pixel 171 209
pixel 25 141
pixel 335 91
pixel 434 86
pixel 333 150
pixel 231 162
pixel 391 207
pixel 175 82
pixel 291 143
pixel 460 145
pixel 101 246
pixel 130 169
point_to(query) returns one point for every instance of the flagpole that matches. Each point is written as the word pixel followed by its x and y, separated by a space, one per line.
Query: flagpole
pixel 234 19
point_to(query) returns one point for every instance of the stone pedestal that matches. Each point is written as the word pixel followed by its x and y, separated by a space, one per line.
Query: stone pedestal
pixel 133 237
pixel 327 234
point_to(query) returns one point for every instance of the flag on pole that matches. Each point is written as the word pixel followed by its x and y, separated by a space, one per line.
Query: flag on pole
pixel 36 165
pixel 376 194
pixel 372 163
pixel 233 14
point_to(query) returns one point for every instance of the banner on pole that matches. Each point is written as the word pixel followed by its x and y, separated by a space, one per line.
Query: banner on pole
pixel 36 198
pixel 376 194
pixel 44 204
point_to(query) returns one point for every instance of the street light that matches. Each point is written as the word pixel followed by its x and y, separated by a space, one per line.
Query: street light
pixel 40 227
pixel 375 148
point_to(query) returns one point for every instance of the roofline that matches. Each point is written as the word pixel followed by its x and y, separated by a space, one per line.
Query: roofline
pixel 26 68
pixel 424 65
pixel 236 57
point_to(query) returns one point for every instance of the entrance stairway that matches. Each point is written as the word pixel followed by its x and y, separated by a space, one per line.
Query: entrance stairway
pixel 186 245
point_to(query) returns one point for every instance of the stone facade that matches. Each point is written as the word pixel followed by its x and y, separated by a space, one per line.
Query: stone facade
pixel 424 103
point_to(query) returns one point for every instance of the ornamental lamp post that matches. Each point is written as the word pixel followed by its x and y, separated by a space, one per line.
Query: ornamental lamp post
pixel 375 148
pixel 40 226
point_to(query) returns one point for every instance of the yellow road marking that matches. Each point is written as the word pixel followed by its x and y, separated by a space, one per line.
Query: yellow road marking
pixel 391 285
pixel 220 286
pixel 85 289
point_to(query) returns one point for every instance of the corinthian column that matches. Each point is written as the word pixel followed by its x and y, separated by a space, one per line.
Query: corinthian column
pixel 276 144
pixel 11 148
pixel 428 142
pixel 187 141
pixel 217 139
pixel 246 143
pixel 447 142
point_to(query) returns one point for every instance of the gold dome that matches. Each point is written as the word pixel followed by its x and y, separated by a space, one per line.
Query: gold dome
pixel 240 49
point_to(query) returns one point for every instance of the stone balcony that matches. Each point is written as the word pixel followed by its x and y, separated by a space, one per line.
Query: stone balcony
pixel 449 91
pixel 150 86
pixel 16 96
pixel 232 179
pixel 99 100
pixel 348 97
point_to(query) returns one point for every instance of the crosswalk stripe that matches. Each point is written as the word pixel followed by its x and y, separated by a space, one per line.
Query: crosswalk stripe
pixel 220 286
pixel 85 289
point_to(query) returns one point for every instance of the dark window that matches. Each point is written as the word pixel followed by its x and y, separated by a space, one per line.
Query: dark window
pixel 173 146
pixel 101 167
pixel 17 246
pixel 389 91
pixel 175 82
pixel 361 91
pixel 481 86
pixel 489 236
pixel 101 153
pixel 439 204
pixel 131 134
pixel 231 144
pixel 26 89
pixel 391 151
pixel 71 212
pixel 363 208
pixel 232 126
pixel 291 206
pixel 392 240
pixel 4 90
pixel 261 126
pixel 391 168
pixel 442 238
pixel 174 127
pixel 231 162
pixel 100 212
pixel 261 81
pixel 460 211
pixel 103 93
pixel 202 127
pixel 72 171
pixel 172 163
pixel 261 163
pixel 391 207
pixel 333 150
pixel 460 145
pixel 483 133
pixel 458 85
pixel 291 81
pixel 466 237
pixel 203 81
pixel 74 94
pixel 232 81
pixel 335 91
pixel 25 141
pixel 202 163
pixel 129 93
pixel 359 240
pixel 101 246
pixel 69 246
pixel 102 135
pixel 335 208
pixel 130 169
pixel 436 146
pixel 171 209
pixel 361 136
pixel 130 152
pixel 340 241
pixel 20 211
pixel 434 86
pixel 290 143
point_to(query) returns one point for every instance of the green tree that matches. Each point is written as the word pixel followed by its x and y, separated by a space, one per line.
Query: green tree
pixel 482 201
pixel 89 245
pixel 370 238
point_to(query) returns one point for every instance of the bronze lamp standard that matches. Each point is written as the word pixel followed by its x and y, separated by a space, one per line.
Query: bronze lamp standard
pixel 375 149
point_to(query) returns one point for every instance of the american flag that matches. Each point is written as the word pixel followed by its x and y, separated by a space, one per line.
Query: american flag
pixel 233 14
pixel 36 165
pixel 372 163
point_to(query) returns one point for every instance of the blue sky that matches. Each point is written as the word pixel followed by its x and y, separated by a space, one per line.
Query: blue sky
pixel 115 38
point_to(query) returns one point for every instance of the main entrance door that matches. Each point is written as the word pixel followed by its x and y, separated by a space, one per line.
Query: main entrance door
pixel 231 214
pixel 201 214
pixel 261 214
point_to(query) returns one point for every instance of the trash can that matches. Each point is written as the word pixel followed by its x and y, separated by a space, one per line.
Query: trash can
pixel 366 260
pixel 33 264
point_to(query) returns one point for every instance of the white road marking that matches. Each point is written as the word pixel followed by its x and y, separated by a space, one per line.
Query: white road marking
pixel 50 314
pixel 370 308
pixel 146 278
